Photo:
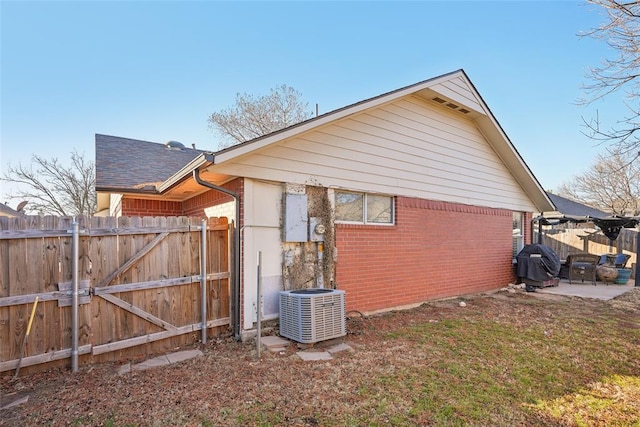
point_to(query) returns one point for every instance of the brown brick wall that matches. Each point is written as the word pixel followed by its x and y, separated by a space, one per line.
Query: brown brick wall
pixel 193 207
pixel 144 207
pixel 196 205
pixel 435 250
pixel 526 228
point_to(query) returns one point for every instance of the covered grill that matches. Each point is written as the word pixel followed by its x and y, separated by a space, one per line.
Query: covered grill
pixel 538 266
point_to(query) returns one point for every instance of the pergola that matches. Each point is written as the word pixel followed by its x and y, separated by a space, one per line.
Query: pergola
pixel 610 227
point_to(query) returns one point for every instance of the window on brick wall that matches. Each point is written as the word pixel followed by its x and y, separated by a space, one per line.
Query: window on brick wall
pixel 518 232
pixel 364 208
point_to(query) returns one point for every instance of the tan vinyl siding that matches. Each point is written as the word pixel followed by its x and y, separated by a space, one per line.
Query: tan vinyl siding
pixel 409 147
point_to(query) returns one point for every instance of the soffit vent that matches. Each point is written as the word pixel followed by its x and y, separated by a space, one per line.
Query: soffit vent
pixel 450 105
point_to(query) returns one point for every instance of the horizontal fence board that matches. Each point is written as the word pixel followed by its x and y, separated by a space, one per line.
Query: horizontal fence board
pixel 112 289
pixel 42 358
pixel 131 342
pixel 37 234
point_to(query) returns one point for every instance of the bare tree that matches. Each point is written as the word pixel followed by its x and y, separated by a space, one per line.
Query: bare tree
pixel 252 117
pixel 52 188
pixel 621 31
pixel 612 184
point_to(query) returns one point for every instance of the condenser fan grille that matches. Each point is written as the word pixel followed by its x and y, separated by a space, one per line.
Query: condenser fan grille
pixel 312 315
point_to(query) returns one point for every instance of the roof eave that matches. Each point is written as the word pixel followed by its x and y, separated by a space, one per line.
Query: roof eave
pixel 204 159
pixel 486 121
pixel 124 190
pixel 332 116
pixel 492 129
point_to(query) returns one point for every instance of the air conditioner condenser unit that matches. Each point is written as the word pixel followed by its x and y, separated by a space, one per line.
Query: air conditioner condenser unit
pixel 312 315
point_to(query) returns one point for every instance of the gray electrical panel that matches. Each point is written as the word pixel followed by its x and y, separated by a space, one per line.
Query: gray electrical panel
pixel 295 218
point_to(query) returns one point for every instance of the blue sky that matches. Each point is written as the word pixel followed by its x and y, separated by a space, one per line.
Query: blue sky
pixel 155 70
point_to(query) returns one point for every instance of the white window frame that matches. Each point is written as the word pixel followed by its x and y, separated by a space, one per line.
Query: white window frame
pixel 518 233
pixel 364 208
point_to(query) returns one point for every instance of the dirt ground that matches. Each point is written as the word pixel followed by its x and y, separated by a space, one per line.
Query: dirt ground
pixel 229 376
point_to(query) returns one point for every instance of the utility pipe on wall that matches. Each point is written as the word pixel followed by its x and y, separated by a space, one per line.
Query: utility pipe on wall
pixel 259 303
pixel 235 288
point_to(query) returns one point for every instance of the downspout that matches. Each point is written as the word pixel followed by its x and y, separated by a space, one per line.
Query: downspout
pixel 235 287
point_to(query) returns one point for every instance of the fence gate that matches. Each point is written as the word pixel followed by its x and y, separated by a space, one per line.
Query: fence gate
pixel 140 287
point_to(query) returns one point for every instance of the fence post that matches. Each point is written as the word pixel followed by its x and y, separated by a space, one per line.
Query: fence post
pixel 203 279
pixel 258 304
pixel 74 295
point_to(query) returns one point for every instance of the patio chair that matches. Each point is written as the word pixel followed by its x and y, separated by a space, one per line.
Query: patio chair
pixel 582 266
pixel 620 262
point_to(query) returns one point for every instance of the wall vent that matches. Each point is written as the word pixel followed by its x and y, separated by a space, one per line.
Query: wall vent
pixel 312 315
pixel 450 105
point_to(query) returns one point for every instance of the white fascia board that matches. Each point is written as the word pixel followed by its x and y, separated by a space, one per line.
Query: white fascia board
pixel 493 133
pixel 198 162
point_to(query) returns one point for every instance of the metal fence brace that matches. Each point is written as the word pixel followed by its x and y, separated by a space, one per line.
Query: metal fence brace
pixel 66 299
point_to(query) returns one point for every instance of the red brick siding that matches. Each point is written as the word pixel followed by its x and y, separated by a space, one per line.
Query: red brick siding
pixel 196 205
pixel 193 207
pixel 145 207
pixel 526 227
pixel 435 250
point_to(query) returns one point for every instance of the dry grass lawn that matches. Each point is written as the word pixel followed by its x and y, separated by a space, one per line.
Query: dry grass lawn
pixel 504 359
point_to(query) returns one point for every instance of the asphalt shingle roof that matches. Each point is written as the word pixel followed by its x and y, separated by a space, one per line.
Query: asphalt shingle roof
pixel 130 163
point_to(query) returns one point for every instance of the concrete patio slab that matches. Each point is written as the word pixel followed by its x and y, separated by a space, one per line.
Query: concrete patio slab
pixel 600 291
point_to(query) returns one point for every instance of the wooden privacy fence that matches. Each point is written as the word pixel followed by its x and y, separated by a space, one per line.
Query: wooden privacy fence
pixel 589 240
pixel 142 287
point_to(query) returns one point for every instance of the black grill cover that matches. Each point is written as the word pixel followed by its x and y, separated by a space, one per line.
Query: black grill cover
pixel 538 262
